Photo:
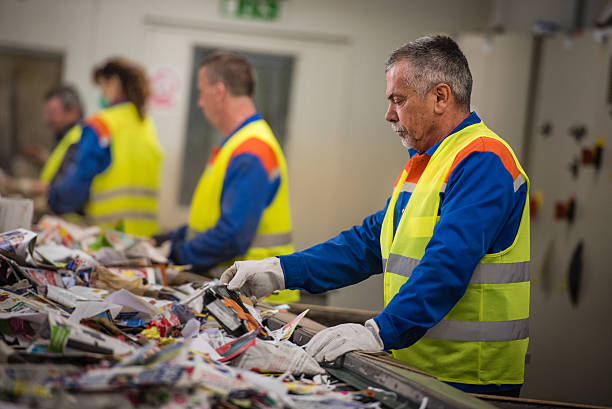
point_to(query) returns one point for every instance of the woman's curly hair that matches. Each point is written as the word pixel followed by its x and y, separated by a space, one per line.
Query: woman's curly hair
pixel 133 79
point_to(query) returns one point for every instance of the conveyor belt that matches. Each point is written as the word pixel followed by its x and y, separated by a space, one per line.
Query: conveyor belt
pixel 411 388
pixel 398 386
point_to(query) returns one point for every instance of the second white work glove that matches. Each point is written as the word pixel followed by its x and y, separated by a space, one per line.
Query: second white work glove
pixel 330 343
pixel 256 278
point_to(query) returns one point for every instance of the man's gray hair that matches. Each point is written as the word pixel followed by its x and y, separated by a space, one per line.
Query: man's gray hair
pixel 433 60
pixel 68 96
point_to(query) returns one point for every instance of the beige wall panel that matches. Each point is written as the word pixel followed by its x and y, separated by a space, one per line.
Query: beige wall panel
pixel 570 344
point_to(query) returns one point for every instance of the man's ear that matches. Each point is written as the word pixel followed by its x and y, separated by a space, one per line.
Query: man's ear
pixel 442 97
pixel 220 90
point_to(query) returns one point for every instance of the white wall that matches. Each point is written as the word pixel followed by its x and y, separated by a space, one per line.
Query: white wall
pixel 500 67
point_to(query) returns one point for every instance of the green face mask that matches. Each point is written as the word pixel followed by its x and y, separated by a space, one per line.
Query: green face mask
pixel 103 103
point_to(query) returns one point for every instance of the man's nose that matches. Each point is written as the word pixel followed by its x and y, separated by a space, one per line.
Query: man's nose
pixel 390 114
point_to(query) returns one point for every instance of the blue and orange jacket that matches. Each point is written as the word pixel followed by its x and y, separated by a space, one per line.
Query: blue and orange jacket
pixel 70 193
pixel 485 214
pixel 250 184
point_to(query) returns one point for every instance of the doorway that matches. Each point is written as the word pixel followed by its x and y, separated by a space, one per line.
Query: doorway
pixel 25 77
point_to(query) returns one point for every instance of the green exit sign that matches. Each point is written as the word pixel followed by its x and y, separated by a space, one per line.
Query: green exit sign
pixel 267 10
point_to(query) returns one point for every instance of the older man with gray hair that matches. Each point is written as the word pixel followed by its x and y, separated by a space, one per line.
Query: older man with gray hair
pixel 63 113
pixel 452 241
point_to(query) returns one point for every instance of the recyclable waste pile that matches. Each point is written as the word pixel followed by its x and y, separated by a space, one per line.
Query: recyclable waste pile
pixel 88 319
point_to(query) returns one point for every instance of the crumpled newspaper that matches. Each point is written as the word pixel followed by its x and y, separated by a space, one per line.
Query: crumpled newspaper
pixel 144 249
pixel 268 357
pixel 19 242
pixel 103 278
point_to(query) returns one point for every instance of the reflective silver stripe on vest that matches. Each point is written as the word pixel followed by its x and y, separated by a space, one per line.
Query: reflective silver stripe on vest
pixel 518 182
pixel 384 264
pixel 274 174
pixel 401 265
pixel 480 331
pixel 271 240
pixel 126 191
pixel 122 216
pixel 500 273
pixel 484 273
pixel 408 187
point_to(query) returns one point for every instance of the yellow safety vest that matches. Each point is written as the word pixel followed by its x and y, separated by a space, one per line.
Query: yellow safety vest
pixel 57 156
pixel 273 235
pixel 124 196
pixel 483 339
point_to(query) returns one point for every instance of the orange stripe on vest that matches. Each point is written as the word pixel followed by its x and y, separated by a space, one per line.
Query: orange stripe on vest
pixel 415 168
pixel 260 149
pixel 99 126
pixel 487 145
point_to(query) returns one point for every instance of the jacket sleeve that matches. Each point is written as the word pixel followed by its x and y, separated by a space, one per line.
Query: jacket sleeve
pixel 350 257
pixel 173 236
pixel 247 191
pixel 481 210
pixel 71 192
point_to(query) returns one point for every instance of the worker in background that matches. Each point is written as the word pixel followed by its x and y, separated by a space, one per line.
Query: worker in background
pixel 62 113
pixel 115 178
pixel 240 208
pixel 452 241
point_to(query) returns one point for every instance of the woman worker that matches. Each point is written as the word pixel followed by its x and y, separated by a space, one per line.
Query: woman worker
pixel 115 178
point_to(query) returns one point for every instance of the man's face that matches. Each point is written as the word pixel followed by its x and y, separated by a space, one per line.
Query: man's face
pixel 411 116
pixel 209 97
pixel 56 116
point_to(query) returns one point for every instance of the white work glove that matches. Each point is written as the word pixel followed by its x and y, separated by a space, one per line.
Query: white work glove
pixel 330 343
pixel 256 278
